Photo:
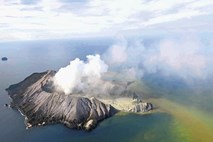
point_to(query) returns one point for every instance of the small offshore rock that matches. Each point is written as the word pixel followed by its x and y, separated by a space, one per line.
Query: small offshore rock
pixel 6 105
pixel 4 58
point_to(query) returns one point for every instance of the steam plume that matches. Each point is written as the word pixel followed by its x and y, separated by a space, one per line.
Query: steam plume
pixel 78 73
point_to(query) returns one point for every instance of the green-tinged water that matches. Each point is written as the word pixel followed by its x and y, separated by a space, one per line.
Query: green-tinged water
pixel 135 128
pixel 157 127
pixel 191 122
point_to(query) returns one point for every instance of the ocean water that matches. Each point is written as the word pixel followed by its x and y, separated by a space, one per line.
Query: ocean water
pixel 177 120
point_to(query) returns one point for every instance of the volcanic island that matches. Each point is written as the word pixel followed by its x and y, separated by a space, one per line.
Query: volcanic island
pixel 37 99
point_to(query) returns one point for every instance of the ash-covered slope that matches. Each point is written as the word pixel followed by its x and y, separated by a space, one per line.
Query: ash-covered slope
pixel 40 103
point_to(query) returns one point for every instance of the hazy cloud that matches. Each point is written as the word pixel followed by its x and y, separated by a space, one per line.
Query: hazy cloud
pixel 86 17
pixel 30 2
pixel 186 56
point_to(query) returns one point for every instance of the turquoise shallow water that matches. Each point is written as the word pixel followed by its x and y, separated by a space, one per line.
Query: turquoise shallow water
pixel 25 58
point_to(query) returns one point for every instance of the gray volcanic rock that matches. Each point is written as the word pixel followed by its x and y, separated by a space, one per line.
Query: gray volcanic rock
pixel 141 107
pixel 37 99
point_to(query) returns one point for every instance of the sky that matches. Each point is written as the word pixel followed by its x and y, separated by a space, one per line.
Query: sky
pixel 46 19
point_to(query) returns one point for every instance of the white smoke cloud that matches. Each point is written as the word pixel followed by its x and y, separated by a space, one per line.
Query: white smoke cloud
pixel 181 57
pixel 184 57
pixel 78 74
pixel 117 54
